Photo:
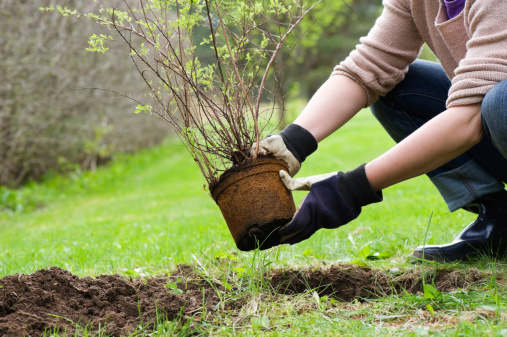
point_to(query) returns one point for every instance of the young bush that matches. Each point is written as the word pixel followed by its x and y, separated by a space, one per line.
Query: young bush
pixel 216 100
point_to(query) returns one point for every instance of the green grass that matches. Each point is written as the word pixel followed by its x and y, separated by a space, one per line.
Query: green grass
pixel 143 214
pixel 137 213
pixel 148 212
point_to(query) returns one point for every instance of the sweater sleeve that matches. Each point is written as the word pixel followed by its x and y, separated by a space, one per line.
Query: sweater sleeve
pixel 382 58
pixel 485 62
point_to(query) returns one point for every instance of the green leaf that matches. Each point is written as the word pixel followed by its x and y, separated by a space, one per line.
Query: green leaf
pixel 240 271
pixel 143 108
pixel 430 308
pixel 131 272
pixel 260 322
pixel 96 43
pixel 431 292
pixel 174 287
pixel 365 252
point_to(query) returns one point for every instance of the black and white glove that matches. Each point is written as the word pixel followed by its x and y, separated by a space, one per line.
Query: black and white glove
pixel 292 145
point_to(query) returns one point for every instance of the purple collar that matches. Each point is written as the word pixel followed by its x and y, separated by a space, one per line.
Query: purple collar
pixel 454 7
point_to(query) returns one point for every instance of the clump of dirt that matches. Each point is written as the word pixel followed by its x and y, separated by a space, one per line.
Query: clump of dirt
pixel 345 282
pixel 53 298
pixel 349 282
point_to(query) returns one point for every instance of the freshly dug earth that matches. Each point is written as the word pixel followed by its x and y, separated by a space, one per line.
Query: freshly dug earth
pixel 54 298
pixel 348 282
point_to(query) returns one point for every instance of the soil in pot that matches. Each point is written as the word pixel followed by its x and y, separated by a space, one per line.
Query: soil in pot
pixel 254 202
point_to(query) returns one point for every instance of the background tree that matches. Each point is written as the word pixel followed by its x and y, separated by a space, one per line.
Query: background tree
pixel 326 36
pixel 45 121
pixel 329 34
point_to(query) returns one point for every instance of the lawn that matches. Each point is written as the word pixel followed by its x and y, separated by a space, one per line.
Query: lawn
pixel 142 215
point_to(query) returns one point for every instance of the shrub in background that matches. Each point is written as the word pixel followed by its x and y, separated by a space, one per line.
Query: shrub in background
pixel 46 122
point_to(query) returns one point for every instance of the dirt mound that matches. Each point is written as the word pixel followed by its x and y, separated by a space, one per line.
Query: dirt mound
pixel 347 282
pixel 48 299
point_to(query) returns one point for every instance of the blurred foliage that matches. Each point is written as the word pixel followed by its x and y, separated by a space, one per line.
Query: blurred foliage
pixel 328 35
pixel 48 121
pixel 323 39
pixel 427 54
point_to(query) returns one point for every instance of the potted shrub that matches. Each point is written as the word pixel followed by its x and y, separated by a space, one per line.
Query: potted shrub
pixel 207 64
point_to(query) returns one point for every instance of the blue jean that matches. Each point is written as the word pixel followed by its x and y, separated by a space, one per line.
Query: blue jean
pixel 421 96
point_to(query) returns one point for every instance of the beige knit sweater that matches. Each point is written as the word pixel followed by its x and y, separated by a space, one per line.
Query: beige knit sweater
pixel 472 47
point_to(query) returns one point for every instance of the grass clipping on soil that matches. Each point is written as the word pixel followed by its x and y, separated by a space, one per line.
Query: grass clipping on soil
pixel 54 299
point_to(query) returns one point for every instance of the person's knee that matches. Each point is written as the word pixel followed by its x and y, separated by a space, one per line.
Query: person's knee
pixel 378 108
pixel 494 107
pixel 494 116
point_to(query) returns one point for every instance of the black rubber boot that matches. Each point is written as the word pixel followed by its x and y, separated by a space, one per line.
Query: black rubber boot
pixel 486 236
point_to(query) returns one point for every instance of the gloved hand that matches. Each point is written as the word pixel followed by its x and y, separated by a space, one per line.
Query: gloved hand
pixel 334 200
pixel 292 145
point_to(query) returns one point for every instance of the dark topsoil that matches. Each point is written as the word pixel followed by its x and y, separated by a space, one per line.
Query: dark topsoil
pixel 53 298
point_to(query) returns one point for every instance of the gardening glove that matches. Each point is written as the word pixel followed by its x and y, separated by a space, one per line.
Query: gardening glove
pixel 292 145
pixel 334 200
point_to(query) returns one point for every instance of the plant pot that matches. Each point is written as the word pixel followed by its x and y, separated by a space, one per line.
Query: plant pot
pixel 254 202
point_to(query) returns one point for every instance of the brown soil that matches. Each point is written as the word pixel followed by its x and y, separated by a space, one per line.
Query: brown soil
pixel 348 282
pixel 50 299
pixel 54 298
